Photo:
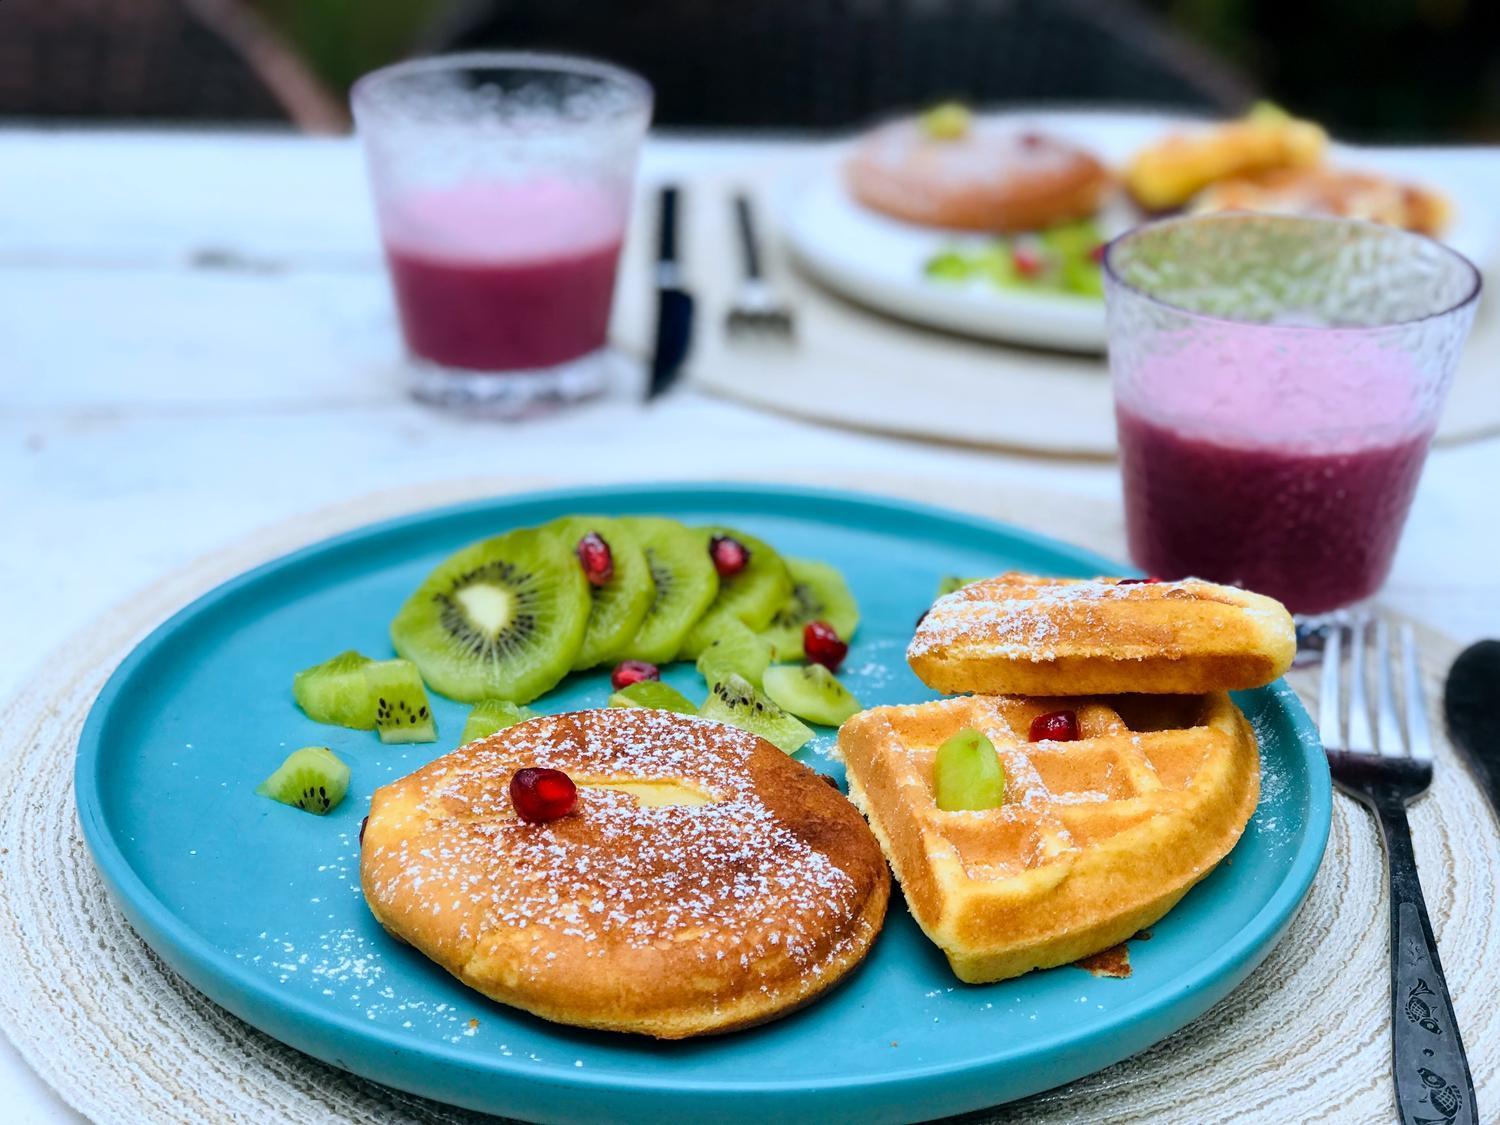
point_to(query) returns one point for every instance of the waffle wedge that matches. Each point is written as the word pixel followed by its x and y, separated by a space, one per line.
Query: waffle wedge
pixel 1023 635
pixel 1096 838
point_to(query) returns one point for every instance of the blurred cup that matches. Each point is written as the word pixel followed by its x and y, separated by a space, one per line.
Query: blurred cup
pixel 502 184
pixel 1277 383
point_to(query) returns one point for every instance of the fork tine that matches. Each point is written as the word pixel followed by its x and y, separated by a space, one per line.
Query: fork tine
pixel 1361 736
pixel 1418 736
pixel 1388 724
pixel 1328 695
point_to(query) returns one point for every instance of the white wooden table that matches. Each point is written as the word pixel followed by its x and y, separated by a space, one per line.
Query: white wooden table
pixel 196 340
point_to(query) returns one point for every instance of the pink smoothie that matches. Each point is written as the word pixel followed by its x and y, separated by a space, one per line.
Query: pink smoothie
pixel 504 276
pixel 1285 464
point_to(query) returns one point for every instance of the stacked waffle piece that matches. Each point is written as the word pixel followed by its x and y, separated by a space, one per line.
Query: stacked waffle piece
pixel 1097 836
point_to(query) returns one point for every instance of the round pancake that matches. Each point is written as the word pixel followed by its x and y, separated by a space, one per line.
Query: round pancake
pixel 993 178
pixel 706 882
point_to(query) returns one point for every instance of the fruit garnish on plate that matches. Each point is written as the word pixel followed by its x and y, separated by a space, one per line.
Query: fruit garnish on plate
pixel 490 716
pixel 1062 260
pixel 947 121
pixel 542 795
pixel 312 779
pixel 351 690
pixel 967 774
pixel 337 692
pixel 655 695
pixel 620 585
pixel 629 672
pixel 734 649
pixel 735 701
pixel 750 594
pixel 819 593
pixel 811 692
pixel 402 712
pixel 684 584
pixel 822 645
pixel 1055 726
pixel 501 619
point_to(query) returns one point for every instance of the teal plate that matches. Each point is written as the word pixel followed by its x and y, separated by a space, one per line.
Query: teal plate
pixel 259 906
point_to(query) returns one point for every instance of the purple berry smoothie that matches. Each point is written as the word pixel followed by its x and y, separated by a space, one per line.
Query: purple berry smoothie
pixel 1285 463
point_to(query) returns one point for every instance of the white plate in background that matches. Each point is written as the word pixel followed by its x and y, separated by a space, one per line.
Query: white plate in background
pixel 879 261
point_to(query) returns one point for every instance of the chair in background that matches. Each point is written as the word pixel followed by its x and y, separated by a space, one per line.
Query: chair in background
pixel 818 64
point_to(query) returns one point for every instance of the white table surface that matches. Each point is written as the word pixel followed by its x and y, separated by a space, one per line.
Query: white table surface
pixel 152 410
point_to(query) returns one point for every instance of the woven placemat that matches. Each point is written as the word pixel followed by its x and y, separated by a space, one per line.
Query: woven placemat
pixel 857 368
pixel 122 1038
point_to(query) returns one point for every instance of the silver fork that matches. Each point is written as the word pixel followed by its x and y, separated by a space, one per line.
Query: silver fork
pixel 757 313
pixel 1386 764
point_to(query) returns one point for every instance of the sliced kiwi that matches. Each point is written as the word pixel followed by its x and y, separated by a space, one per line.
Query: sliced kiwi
pixel 950 582
pixel 402 713
pixel 311 779
pixel 500 619
pixel 967 774
pixel 819 593
pixel 752 596
pixel 491 715
pixel 811 692
pixel 337 692
pixel 685 582
pixel 618 607
pixel 734 701
pixel 655 695
pixel 734 649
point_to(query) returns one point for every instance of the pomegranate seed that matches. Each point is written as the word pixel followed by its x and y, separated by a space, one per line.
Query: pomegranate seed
pixel 1031 140
pixel 541 795
pixel 1151 581
pixel 730 555
pixel 1027 261
pixel 1055 726
pixel 1096 255
pixel 629 672
pixel 597 559
pixel 823 645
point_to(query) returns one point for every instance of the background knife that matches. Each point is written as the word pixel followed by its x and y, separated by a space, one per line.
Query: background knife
pixel 674 304
pixel 1471 705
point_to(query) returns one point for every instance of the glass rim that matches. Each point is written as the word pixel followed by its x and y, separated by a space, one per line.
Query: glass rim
pixel 1462 261
pixel 537 62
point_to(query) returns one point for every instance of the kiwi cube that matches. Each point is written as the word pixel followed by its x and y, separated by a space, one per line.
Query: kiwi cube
pixel 402 713
pixel 337 692
pixel 311 779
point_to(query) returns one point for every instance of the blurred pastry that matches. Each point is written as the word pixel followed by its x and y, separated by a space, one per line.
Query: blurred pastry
pixel 948 169
pixel 1326 191
pixel 1168 173
pixel 683 878
pixel 1020 634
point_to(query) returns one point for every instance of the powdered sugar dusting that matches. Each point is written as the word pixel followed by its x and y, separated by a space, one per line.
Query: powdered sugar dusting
pixel 728 878
pixel 1029 618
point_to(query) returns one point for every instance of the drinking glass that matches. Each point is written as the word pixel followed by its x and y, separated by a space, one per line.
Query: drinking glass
pixel 502 183
pixel 1277 381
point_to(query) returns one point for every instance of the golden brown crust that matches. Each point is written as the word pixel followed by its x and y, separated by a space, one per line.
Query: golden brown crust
pixel 1016 634
pixel 1096 839
pixel 1171 171
pixel 753 893
pixel 990 179
pixel 1328 191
